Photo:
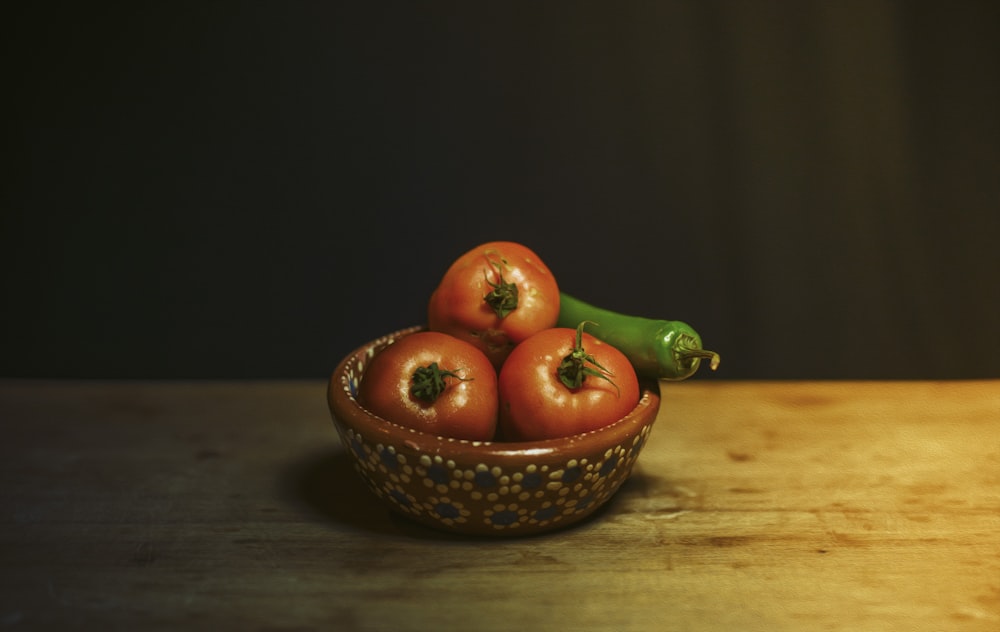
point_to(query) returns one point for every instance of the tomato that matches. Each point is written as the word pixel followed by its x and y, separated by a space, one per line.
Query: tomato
pixel 435 383
pixel 536 404
pixel 495 296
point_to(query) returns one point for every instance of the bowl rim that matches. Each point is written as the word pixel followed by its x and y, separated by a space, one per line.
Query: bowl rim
pixel 347 411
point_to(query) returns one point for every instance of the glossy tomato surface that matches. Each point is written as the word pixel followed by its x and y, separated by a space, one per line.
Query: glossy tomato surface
pixel 466 408
pixel 460 305
pixel 535 404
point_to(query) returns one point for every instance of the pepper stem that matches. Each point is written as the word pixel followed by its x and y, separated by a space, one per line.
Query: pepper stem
pixel 688 354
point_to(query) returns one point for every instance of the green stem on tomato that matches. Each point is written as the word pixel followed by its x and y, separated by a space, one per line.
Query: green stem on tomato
pixel 576 367
pixel 427 382
pixel 502 299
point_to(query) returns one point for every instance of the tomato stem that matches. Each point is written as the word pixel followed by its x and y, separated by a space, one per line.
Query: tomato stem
pixel 503 298
pixel 427 382
pixel 576 367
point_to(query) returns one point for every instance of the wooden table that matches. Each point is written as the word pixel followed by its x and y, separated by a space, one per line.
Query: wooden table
pixel 755 506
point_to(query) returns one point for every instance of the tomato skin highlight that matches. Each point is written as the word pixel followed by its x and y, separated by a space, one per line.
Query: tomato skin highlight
pixel 534 403
pixel 466 409
pixel 457 306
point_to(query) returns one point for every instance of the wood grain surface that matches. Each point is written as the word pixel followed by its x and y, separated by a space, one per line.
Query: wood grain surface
pixel 755 506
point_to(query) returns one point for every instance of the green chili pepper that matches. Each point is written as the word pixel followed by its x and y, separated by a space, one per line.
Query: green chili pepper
pixel 661 349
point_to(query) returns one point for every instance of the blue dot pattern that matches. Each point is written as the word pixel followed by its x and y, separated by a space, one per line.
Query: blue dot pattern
pixel 504 518
pixel 485 480
pixel 447 510
pixel 437 474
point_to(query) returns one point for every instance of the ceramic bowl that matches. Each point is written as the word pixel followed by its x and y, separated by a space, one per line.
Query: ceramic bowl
pixel 484 488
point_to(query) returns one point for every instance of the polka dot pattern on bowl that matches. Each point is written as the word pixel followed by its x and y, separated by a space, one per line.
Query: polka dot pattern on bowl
pixel 428 486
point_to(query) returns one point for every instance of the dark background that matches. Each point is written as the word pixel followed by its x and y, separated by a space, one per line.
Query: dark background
pixel 250 190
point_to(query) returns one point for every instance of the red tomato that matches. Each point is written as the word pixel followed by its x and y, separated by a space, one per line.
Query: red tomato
pixel 536 404
pixel 435 383
pixel 495 296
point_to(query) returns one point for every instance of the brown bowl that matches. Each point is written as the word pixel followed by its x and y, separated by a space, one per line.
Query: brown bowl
pixel 484 488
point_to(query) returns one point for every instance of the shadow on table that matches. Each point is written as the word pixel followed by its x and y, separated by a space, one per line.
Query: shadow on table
pixel 326 484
